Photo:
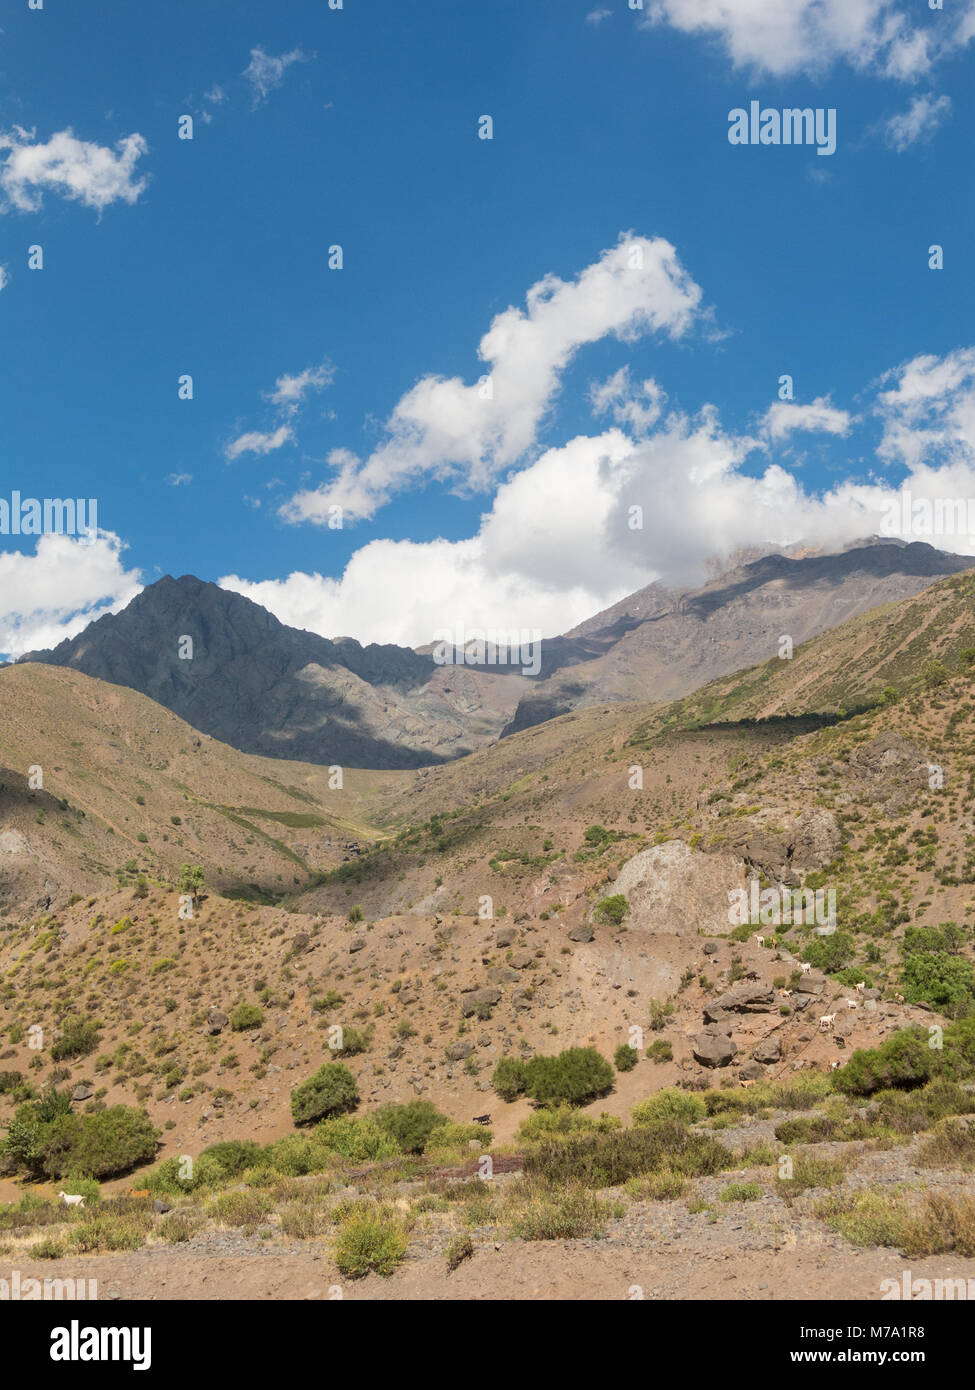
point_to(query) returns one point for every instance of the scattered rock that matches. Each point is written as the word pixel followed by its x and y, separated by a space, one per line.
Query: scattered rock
pixel 769 1050
pixel 477 998
pixel 713 1048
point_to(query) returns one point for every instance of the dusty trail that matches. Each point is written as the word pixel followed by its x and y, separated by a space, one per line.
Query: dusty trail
pixel 563 1270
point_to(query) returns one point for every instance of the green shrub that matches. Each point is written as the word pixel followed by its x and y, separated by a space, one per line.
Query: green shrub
pixel 625 1057
pixel 167 1177
pixel 902 1061
pixel 574 1077
pixel 246 1016
pixel 570 1214
pixel 177 1228
pixel 609 1160
pixel 670 1104
pixel 458 1250
pixel 740 1192
pixel 358 1138
pixel 354 1041
pixel 562 1120
pixel 232 1156
pixel 330 1091
pixel 239 1208
pixel 47 1249
pixel 79 1037
pixel 809 1171
pixel 906 1112
pixel 830 953
pixel 612 911
pixel 510 1077
pixel 369 1244
pixel 295 1155
pixel 410 1126
pixel 937 978
pixel 110 1231
pixel 457 1136
pixel 100 1145
pixel 951 1146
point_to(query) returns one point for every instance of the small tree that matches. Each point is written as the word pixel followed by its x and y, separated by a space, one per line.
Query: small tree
pixel 330 1091
pixel 410 1125
pixel 510 1078
pixel 245 1016
pixel 191 881
pixel 612 910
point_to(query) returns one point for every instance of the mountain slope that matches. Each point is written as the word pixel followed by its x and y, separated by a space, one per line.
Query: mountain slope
pixel 668 644
pixel 128 788
pixel 274 690
pixel 542 826
pixel 269 689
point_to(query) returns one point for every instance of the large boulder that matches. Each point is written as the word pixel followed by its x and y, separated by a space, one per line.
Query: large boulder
pixel 780 844
pixel 713 1048
pixel 502 975
pixel 769 1050
pixel 890 771
pixel 476 999
pixel 583 933
pixel 675 890
pixel 744 998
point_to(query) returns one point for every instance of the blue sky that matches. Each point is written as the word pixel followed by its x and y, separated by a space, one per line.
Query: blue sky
pixel 359 127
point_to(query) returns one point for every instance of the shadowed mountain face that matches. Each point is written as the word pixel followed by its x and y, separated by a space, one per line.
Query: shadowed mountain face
pixel 266 688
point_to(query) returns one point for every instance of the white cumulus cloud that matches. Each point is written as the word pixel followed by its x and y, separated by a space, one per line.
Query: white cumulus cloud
pixel 787 417
pixel 924 116
pixel 258 442
pixel 59 589
pixel 592 520
pixel 467 434
pixel 790 36
pixel 290 391
pixel 75 169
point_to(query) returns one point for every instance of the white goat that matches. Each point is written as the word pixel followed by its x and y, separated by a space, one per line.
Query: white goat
pixel 805 967
pixel 760 940
pixel 826 1022
pixel 861 987
pixel 70 1201
pixel 852 1004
